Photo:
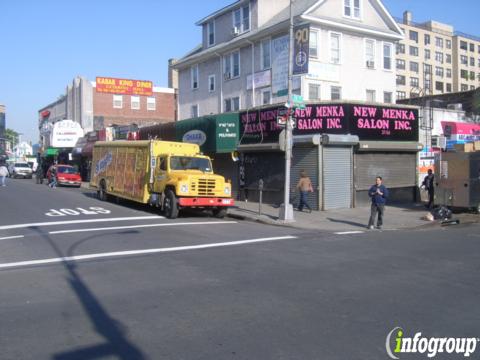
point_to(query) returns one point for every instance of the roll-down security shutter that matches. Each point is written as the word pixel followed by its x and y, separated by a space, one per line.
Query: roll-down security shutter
pixel 337 177
pixel 305 158
pixel 397 169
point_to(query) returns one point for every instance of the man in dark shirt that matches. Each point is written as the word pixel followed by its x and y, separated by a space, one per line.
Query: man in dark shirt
pixel 428 185
pixel 379 194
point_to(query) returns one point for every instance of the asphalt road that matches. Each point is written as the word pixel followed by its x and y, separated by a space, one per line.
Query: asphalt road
pixel 85 279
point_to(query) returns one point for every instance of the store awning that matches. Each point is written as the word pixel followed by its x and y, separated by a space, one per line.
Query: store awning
pixel 51 152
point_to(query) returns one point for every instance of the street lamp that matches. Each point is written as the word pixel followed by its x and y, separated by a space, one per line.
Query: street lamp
pixel 286 210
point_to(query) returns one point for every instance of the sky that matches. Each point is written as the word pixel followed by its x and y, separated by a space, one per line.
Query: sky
pixel 45 44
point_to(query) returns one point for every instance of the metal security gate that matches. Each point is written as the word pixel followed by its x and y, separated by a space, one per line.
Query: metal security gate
pixel 337 177
pixel 305 158
pixel 397 169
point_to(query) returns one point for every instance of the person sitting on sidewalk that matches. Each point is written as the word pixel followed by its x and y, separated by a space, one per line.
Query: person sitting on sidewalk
pixel 379 194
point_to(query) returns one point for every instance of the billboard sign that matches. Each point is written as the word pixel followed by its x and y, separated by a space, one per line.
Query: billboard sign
pixel 124 86
pixel 65 134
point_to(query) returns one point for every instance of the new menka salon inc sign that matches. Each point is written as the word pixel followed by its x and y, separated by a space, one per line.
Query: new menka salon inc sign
pixel 369 122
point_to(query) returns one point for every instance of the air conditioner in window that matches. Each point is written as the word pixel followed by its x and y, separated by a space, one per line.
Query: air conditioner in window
pixel 439 142
pixel 370 64
pixel 227 76
pixel 235 31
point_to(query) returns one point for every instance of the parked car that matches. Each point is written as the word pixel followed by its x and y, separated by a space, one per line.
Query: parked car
pixel 66 175
pixel 20 169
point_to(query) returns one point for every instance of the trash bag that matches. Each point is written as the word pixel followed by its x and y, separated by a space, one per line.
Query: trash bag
pixel 442 213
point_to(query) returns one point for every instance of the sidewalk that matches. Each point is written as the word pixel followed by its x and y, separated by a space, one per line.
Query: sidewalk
pixel 396 217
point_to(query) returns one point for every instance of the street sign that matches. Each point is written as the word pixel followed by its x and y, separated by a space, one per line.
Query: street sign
pixel 282 116
pixel 298 101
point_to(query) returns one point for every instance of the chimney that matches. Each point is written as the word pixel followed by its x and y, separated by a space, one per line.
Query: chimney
pixel 407 17
pixel 172 74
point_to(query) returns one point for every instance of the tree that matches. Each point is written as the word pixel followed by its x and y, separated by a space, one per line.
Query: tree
pixel 11 136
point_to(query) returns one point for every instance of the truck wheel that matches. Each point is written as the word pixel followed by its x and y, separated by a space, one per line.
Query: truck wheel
pixel 170 205
pixel 220 213
pixel 102 192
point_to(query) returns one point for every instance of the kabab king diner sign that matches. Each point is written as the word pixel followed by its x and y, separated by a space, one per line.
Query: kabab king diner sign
pixel 124 86
pixel 368 122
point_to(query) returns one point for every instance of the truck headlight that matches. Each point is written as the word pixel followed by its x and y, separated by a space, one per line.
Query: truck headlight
pixel 184 188
pixel 227 190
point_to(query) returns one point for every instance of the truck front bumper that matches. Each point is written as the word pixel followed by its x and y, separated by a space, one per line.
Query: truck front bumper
pixel 205 202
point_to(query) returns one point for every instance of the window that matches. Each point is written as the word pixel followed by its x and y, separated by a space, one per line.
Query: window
pixel 427 69
pixel 266 97
pixel 478 62
pixel 439 42
pixel 370 53
pixel 414 81
pixel 211 83
pixel 401 95
pixel 414 94
pixel 151 104
pixel 211 33
pixel 426 39
pixel 449 73
pixel 232 104
pixel 313 91
pixel 401 80
pixel 448 58
pixel 117 101
pixel 266 54
pixel 194 111
pixel 472 61
pixel 336 93
pixel 351 8
pixel 463 87
pixel 387 97
pixel 313 43
pixel 413 35
pixel 472 87
pixel 449 87
pixel 464 74
pixel 232 65
pixel 472 75
pixel 413 50
pixel 449 44
pixel 414 66
pixel 472 47
pixel 439 57
pixel 400 64
pixel 194 76
pixel 135 102
pixel 478 48
pixel 241 19
pixel 400 48
pixel 371 97
pixel 427 84
pixel 427 54
pixel 439 71
pixel 335 48
pixel 439 86
pixel 463 60
pixel 463 45
pixel 387 56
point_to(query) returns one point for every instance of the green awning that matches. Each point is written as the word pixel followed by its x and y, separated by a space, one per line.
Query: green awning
pixel 50 152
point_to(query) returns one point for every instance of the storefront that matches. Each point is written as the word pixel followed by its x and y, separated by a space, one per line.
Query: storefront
pixel 342 147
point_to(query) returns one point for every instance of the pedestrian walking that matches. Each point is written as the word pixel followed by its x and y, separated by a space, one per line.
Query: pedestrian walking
pixel 53 177
pixel 304 186
pixel 39 175
pixel 379 194
pixel 3 174
pixel 427 184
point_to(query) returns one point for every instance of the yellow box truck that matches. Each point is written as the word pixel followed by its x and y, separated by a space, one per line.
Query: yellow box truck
pixel 168 175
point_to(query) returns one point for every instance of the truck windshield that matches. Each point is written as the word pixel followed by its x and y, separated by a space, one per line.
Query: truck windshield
pixel 190 163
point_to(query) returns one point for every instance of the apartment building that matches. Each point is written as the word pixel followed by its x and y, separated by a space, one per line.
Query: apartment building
pixel 242 61
pixel 434 59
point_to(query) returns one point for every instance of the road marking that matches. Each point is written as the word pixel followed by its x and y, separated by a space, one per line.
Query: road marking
pixel 12 237
pixel 140 252
pixel 349 232
pixel 142 226
pixel 54 223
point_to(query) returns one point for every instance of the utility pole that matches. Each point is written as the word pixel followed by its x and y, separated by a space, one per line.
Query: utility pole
pixel 286 210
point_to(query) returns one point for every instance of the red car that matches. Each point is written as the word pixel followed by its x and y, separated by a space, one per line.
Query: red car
pixel 66 175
